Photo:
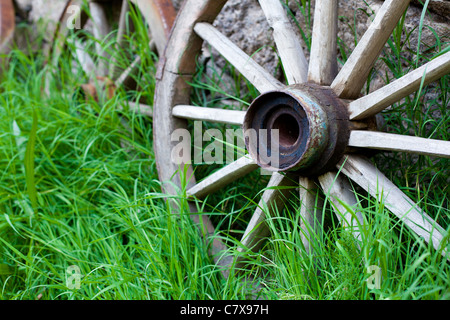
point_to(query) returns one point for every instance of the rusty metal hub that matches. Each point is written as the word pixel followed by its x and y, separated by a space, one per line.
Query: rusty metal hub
pixel 302 128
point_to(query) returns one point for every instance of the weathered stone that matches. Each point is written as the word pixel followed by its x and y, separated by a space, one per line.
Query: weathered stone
pixel 439 7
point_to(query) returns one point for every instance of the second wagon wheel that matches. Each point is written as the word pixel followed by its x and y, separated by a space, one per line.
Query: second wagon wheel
pixel 323 121
pixel 100 34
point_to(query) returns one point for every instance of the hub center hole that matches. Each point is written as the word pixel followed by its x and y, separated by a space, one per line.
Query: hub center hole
pixel 289 129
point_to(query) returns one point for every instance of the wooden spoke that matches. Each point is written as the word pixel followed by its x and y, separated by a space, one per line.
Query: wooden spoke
pixel 173 107
pixel 101 24
pixel 139 108
pixel 209 114
pixel 353 75
pixel 257 75
pixel 223 177
pixel 217 249
pixel 342 196
pixel 374 182
pixel 101 30
pixel 122 22
pixel 120 35
pixel 271 199
pixel 310 212
pixel 397 142
pixel 323 61
pixel 287 41
pixel 83 57
pixel 380 99
pixel 54 50
pixel 127 75
pixel 126 78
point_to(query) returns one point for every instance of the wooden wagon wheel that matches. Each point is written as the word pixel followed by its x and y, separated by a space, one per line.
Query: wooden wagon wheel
pixel 317 113
pixel 98 19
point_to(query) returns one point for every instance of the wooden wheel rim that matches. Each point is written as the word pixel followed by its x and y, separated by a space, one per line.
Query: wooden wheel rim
pixel 172 108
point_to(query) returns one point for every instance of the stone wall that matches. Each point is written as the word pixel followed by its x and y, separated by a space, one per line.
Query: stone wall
pixel 244 23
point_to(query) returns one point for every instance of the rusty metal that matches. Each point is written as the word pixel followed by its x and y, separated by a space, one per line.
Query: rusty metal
pixel 7 23
pixel 312 125
pixel 338 128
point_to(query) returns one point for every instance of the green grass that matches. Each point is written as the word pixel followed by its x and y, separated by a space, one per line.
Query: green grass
pixel 98 205
pixel 78 189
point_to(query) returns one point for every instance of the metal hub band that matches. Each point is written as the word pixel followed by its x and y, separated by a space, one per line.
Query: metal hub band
pixel 303 128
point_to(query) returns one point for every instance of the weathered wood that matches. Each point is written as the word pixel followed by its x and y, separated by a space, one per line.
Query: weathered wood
pixel 160 16
pixel 121 31
pixel 340 192
pixel 175 72
pixel 138 108
pixel 218 250
pixel 353 75
pixel 126 78
pixel 83 57
pixel 172 99
pixel 173 91
pixel 252 71
pixel 223 177
pixel 186 44
pixel 127 75
pixel 271 200
pixel 310 212
pixel 397 142
pixel 58 40
pixel 287 41
pixel 125 9
pixel 323 60
pixel 7 24
pixel 380 99
pixel 209 114
pixel 365 174
pixel 101 30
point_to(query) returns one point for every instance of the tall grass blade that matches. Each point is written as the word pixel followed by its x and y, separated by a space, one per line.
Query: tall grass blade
pixel 29 163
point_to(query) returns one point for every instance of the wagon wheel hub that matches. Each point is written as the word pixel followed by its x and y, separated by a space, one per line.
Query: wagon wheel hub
pixel 302 128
